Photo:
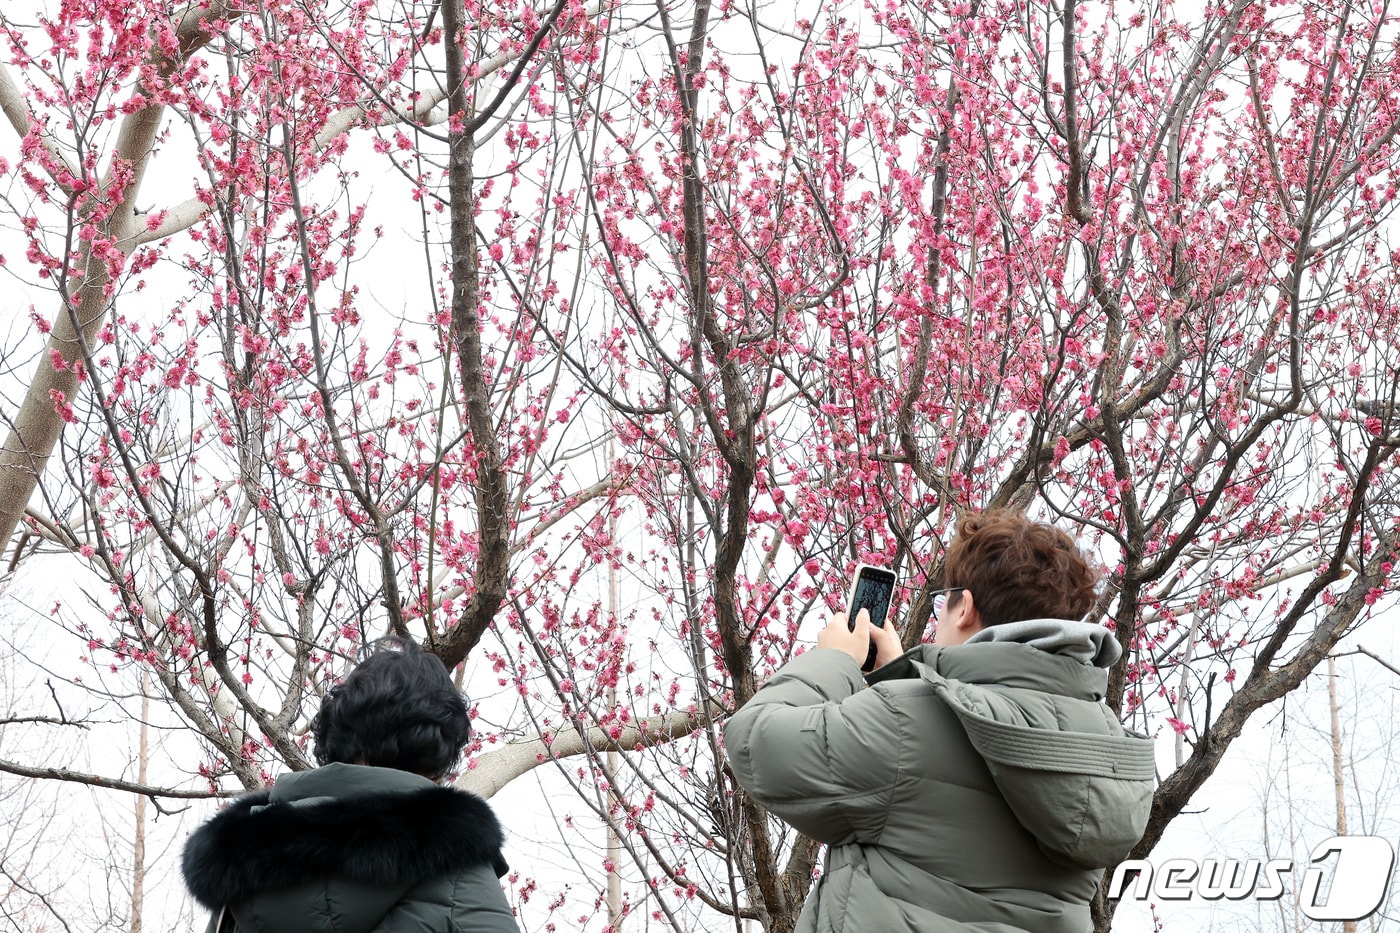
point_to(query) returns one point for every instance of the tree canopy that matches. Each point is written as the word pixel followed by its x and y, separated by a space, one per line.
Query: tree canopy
pixel 590 346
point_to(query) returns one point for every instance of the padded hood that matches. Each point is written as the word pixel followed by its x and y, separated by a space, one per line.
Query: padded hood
pixel 1074 778
pixel 336 848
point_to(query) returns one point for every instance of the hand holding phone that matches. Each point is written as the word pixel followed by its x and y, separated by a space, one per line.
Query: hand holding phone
pixel 872 588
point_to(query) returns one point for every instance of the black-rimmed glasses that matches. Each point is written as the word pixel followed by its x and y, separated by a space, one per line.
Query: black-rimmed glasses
pixel 940 599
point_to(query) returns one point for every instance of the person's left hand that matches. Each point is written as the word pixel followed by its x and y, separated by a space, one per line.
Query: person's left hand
pixel 839 635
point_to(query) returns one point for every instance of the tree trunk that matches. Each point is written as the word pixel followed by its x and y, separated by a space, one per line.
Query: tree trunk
pixel 1338 782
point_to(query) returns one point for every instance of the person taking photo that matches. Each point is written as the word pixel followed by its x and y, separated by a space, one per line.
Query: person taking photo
pixel 978 783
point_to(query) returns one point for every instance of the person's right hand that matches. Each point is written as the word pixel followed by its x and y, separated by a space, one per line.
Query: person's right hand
pixel 888 647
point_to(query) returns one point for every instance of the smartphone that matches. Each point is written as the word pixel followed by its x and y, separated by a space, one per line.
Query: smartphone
pixel 872 588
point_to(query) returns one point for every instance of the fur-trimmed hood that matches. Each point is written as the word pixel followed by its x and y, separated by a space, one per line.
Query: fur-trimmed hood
pixel 372 827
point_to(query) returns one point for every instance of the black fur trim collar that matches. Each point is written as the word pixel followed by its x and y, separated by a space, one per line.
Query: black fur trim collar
pixel 376 838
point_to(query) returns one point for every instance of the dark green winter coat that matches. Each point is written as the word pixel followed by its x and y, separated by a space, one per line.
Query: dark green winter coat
pixel 352 849
pixel 980 787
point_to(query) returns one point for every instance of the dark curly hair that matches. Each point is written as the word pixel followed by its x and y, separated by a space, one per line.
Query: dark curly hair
pixel 1018 569
pixel 397 709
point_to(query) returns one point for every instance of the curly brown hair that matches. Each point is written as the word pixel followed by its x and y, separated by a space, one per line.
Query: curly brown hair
pixel 1019 569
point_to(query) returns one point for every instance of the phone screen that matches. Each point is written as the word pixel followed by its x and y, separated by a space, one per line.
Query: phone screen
pixel 873 590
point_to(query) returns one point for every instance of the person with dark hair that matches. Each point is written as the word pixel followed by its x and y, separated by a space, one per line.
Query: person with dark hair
pixel 978 783
pixel 370 841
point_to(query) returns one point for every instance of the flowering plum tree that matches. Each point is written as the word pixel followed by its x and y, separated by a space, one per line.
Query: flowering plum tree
pixel 712 302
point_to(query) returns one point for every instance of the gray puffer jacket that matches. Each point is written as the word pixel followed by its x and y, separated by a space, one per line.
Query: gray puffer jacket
pixel 981 787
pixel 352 849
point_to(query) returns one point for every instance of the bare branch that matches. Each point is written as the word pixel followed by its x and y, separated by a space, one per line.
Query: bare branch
pixel 95 780
pixel 497 768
